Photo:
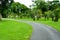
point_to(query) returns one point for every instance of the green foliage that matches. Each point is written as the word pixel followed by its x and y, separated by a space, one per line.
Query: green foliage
pixel 15 7
pixel 4 6
pixel 19 9
pixel 57 12
pixel 50 8
pixel 53 5
pixel 49 13
pixel 41 5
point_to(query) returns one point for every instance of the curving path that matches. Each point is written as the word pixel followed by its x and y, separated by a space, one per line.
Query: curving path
pixel 42 32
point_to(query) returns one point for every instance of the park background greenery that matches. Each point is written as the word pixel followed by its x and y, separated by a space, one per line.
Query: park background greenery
pixel 40 11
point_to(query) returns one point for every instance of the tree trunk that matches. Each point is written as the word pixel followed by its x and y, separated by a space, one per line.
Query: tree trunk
pixel 34 19
pixel 0 17
pixel 56 19
pixel 38 17
pixel 52 19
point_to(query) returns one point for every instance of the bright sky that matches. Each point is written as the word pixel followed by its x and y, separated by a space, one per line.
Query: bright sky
pixel 27 2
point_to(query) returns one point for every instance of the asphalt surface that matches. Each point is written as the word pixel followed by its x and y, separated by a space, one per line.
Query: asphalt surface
pixel 42 32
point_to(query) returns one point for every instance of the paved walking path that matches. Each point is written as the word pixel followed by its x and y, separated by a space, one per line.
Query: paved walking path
pixel 43 32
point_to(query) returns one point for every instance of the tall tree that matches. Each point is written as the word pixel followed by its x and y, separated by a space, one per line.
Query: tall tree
pixel 56 14
pixel 4 5
pixel 19 9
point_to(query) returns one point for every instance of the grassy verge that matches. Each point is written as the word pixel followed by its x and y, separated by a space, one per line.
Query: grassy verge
pixel 55 25
pixel 26 19
pixel 12 30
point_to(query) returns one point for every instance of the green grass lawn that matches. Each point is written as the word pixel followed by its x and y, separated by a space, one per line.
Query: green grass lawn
pixel 55 25
pixel 12 30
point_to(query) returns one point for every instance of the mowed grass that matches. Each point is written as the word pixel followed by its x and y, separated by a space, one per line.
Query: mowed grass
pixel 55 25
pixel 12 30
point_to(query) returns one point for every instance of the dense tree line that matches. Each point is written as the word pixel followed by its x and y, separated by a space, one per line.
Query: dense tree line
pixel 19 9
pixel 50 9
pixel 11 8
